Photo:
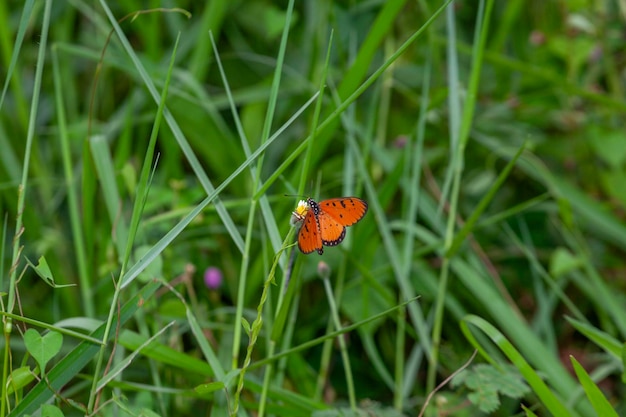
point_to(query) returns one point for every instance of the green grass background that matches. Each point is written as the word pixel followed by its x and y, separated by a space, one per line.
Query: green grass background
pixel 143 143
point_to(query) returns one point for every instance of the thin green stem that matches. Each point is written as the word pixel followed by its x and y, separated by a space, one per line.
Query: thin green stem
pixel 241 290
pixel 255 329
pixel 23 187
pixel 30 137
pixel 342 342
pixel 398 398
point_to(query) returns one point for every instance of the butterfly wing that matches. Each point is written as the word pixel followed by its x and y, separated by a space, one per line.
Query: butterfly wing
pixel 345 210
pixel 309 236
pixel 331 231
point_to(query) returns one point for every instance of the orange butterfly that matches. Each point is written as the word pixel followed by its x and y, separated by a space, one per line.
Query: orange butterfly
pixel 325 222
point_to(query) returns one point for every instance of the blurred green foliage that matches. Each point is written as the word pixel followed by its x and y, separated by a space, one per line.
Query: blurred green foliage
pixel 550 243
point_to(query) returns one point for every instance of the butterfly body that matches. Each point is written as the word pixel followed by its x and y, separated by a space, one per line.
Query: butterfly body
pixel 324 223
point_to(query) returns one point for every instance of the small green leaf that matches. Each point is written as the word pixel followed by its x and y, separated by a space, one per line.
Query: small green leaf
pixel 486 383
pixel 562 262
pixel 246 325
pixel 485 393
pixel 486 400
pixel 20 378
pixel 209 388
pixel 43 270
pixel 42 348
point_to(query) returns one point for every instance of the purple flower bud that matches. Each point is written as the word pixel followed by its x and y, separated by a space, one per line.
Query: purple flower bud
pixel 400 142
pixel 213 278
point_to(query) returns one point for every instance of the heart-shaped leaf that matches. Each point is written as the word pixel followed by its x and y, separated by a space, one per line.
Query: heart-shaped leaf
pixel 43 348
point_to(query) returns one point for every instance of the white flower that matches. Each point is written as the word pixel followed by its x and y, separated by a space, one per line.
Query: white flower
pixel 300 212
